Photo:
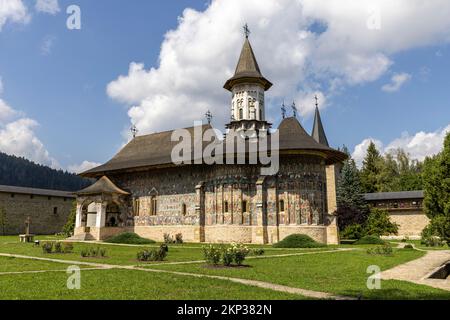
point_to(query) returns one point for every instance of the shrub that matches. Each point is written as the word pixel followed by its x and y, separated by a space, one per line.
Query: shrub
pixel 212 254
pixel 69 227
pixel 153 254
pixel 84 253
pixel 47 247
pixel 385 250
pixel 129 238
pixel 67 247
pixel 179 238
pixel 298 241
pixel 258 252
pixel 93 252
pixel 227 256
pixel 370 240
pixel 353 232
pixel 408 247
pixel 379 223
pixel 168 239
pixel 239 253
pixel 58 247
pixel 438 229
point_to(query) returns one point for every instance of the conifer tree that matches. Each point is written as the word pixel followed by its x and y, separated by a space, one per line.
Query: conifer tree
pixel 371 169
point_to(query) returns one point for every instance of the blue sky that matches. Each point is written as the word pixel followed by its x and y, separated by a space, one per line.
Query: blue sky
pixel 59 77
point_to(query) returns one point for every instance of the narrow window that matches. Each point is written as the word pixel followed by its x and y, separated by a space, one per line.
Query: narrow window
pixel 281 205
pixel 183 209
pixel 244 206
pixel 226 206
pixel 12 195
pixel 154 206
pixel 49 198
pixel 55 210
pixel 241 114
pixel 32 197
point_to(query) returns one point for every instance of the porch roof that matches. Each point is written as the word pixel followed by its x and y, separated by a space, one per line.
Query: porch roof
pixel 103 185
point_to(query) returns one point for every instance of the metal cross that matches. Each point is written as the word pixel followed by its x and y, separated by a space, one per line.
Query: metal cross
pixel 294 109
pixel 134 131
pixel 209 116
pixel 246 31
pixel 283 110
pixel 317 101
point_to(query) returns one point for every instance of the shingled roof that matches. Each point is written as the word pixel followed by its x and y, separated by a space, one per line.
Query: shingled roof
pixel 318 132
pixel 293 137
pixel 155 150
pixel 103 185
pixel 145 151
pixel 247 69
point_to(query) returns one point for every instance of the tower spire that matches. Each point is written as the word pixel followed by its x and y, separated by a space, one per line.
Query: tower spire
pixel 318 132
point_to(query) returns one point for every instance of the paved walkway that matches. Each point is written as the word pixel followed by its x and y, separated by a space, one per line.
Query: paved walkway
pixel 419 270
pixel 260 284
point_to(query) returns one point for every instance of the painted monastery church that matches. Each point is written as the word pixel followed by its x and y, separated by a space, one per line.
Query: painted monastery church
pixel 142 190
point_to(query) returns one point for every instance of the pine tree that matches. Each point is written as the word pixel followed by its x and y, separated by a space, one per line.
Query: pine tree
pixel 352 208
pixel 371 169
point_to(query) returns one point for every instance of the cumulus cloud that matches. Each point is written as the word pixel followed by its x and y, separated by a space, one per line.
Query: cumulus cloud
pixel 14 11
pixel 17 137
pixel 84 166
pixel 199 55
pixel 397 81
pixel 419 146
pixel 47 6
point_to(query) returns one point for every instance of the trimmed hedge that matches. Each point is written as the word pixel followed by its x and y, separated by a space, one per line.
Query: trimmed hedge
pixel 298 241
pixel 370 240
pixel 129 238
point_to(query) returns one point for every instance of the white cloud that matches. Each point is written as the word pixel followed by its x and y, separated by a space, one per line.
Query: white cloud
pixel 84 166
pixel 14 11
pixel 419 145
pixel 47 6
pixel 201 53
pixel 17 137
pixel 47 45
pixel 397 81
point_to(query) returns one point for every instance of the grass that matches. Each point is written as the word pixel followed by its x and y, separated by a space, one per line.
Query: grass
pixel 129 238
pixel 120 254
pixel 118 284
pixel 343 273
pixel 18 265
pixel 418 244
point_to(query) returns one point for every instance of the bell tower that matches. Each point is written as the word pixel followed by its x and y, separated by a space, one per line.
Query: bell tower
pixel 248 87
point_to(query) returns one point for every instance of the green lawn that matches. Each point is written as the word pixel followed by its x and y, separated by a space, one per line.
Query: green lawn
pixel 122 254
pixel 341 273
pixel 18 265
pixel 129 285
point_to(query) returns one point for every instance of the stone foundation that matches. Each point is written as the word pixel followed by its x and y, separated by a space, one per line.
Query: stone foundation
pixel 222 234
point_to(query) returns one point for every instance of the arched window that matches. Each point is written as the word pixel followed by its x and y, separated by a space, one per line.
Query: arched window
pixel 241 114
pixel 281 205
pixel 225 207
pixel 244 206
pixel 183 209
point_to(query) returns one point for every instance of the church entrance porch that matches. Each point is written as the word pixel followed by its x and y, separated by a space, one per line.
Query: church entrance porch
pixel 102 211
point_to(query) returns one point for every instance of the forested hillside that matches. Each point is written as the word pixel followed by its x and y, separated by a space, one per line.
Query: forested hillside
pixel 21 172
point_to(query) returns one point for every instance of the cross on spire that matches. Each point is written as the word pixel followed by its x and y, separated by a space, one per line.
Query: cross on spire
pixel 209 116
pixel 294 109
pixel 246 31
pixel 134 131
pixel 317 101
pixel 283 110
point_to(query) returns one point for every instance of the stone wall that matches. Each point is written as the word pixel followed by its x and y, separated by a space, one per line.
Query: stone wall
pixel 40 209
pixel 411 222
